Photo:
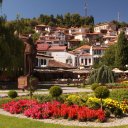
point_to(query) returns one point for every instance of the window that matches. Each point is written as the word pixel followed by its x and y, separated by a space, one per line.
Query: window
pixel 89 60
pixel 82 61
pixel 85 61
pixel 97 52
pixel 36 62
pixel 43 61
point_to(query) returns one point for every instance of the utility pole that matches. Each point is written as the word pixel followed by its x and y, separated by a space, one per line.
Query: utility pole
pixel 85 8
pixel 118 17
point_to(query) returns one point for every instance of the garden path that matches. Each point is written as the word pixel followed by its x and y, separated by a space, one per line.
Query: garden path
pixel 3 93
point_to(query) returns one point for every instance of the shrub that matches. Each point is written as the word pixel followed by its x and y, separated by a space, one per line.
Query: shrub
pixel 43 98
pixel 113 104
pixel 119 94
pixel 93 104
pixel 94 86
pixel 55 91
pixel 118 113
pixel 107 113
pixel 73 99
pixel 102 93
pixel 12 94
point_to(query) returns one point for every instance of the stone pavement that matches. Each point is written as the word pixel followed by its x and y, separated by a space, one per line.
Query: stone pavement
pixel 3 93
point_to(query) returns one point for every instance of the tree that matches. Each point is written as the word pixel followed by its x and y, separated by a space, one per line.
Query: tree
pixel 89 20
pixel 75 20
pixel 45 19
pixel 101 92
pixel 109 56
pixel 121 57
pixel 101 75
pixel 59 20
pixel 11 50
pixel 67 20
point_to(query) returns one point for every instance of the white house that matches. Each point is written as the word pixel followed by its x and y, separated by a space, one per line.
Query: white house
pixel 105 27
pixel 59 53
pixel 40 28
pixel 73 30
pixel 87 55
pixel 42 60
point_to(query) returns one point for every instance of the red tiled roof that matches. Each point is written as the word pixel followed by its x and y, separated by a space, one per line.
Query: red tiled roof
pixel 57 48
pixel 43 55
pixel 83 47
pixel 111 43
pixel 99 48
pixel 56 64
pixel 42 47
pixel 94 33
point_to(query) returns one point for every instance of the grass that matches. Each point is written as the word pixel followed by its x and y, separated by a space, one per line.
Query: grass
pixel 13 122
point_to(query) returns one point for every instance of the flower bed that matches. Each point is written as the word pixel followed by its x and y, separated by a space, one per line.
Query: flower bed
pixel 33 109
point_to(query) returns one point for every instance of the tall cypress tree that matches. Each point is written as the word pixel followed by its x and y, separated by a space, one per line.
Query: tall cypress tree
pixel 11 51
pixel 121 57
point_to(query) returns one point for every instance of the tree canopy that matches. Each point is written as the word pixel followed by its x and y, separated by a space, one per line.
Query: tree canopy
pixel 11 50
pixel 101 75
pixel 121 55
pixel 109 56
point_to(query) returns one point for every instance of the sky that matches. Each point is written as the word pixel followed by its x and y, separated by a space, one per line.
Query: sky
pixel 102 10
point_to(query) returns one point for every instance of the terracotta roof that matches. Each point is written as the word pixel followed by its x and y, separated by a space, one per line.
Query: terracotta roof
pixel 98 48
pixel 111 43
pixel 59 28
pixel 94 33
pixel 42 47
pixel 43 55
pixel 56 64
pixel 83 47
pixel 57 48
pixel 78 33
pixel 71 52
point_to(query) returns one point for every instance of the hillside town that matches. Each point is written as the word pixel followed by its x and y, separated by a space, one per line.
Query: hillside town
pixel 64 68
pixel 74 49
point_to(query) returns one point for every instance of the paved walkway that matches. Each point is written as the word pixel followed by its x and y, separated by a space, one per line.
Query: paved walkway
pixel 3 93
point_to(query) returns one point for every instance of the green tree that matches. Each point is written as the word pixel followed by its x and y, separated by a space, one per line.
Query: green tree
pixel 45 19
pixel 67 20
pixel 75 20
pixel 121 56
pixel 101 75
pixel 109 56
pixel 59 20
pixel 89 20
pixel 101 92
pixel 11 50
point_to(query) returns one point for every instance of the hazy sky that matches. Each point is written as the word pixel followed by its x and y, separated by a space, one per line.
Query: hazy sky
pixel 102 10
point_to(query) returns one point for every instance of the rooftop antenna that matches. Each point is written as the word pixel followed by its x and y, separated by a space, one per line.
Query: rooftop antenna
pixel 118 16
pixel 85 8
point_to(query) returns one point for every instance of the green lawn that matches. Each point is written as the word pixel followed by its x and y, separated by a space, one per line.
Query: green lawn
pixel 13 122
